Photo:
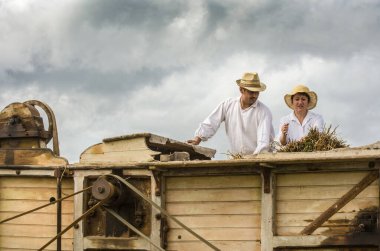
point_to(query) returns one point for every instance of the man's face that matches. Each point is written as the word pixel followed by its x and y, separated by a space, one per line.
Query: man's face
pixel 248 97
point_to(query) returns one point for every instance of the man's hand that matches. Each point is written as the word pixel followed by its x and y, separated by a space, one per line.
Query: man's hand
pixel 195 141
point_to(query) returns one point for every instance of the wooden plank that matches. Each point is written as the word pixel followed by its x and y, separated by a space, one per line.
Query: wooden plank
pixel 36 218
pixel 40 157
pixel 198 182
pixel 216 207
pixel 25 205
pixel 215 221
pixel 222 245
pixel 117 157
pixel 35 193
pixel 78 210
pixel 298 241
pixel 34 182
pixel 197 208
pixel 303 219
pixel 364 248
pixel 326 231
pixel 365 182
pixel 268 203
pixel 319 179
pixel 21 230
pixel 118 151
pixel 28 243
pixel 322 192
pixel 212 234
pixel 361 240
pixel 317 206
pixel 114 243
pixel 209 195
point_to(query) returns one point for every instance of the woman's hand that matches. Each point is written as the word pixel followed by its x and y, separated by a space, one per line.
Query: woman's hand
pixel 284 132
pixel 284 129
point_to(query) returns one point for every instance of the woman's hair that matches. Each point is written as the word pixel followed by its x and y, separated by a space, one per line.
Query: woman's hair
pixel 303 94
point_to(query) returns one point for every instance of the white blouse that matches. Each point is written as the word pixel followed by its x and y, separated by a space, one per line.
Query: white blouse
pixel 297 130
pixel 249 130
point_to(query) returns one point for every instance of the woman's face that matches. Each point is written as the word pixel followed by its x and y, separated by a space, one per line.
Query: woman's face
pixel 300 102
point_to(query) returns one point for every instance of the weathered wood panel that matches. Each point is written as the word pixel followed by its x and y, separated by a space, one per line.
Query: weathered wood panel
pixel 27 230
pixel 223 245
pixel 224 210
pixel 330 249
pixel 302 197
pixel 39 157
pixel 118 151
pixel 19 194
pixel 32 243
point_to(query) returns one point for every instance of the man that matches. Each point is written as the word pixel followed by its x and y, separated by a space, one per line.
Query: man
pixel 248 121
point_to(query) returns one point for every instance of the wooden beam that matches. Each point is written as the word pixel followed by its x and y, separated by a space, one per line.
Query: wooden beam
pixel 365 182
pixel 78 210
pixel 359 239
pixel 268 201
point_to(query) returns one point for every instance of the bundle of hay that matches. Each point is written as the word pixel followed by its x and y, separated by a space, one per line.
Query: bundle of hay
pixel 315 141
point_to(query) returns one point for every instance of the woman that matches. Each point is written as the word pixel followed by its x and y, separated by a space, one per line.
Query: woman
pixel 298 123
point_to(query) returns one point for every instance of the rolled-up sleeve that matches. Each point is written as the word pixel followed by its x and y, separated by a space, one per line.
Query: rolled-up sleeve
pixel 211 124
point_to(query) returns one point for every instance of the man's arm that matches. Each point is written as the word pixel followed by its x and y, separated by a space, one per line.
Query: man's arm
pixel 209 126
pixel 265 132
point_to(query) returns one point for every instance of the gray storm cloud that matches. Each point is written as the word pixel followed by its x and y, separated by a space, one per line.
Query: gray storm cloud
pixel 117 67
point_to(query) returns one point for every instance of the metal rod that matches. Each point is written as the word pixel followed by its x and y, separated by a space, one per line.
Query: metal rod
pixel 163 211
pixel 40 207
pixel 72 224
pixel 114 214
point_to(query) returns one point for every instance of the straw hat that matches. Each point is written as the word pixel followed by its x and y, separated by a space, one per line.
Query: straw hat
pixel 302 89
pixel 251 82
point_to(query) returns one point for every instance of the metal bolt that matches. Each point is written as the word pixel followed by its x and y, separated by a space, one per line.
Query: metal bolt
pixel 101 189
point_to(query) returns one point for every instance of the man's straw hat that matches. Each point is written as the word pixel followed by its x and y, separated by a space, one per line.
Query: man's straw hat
pixel 251 82
pixel 302 89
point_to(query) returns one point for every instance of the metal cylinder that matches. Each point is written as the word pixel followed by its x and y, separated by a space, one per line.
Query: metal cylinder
pixel 104 190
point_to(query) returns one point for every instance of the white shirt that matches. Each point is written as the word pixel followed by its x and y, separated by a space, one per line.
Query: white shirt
pixel 249 130
pixel 297 130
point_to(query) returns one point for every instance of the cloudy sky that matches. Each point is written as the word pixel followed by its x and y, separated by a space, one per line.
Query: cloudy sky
pixel 116 67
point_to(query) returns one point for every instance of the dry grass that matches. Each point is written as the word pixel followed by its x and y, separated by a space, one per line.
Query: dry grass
pixel 315 141
pixel 234 155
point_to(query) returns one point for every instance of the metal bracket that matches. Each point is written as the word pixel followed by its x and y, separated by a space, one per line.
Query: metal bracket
pixel 267 180
pixel 157 179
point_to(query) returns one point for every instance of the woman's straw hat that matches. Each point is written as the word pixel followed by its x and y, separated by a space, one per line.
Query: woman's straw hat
pixel 302 89
pixel 251 82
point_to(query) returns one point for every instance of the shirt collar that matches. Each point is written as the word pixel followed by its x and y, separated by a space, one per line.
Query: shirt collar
pixel 254 105
pixel 305 120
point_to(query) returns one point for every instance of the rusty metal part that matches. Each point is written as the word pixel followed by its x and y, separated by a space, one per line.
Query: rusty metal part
pixel 21 126
pixel 163 211
pixel 118 217
pixel 40 207
pixel 72 225
pixel 53 131
pixel 19 120
pixel 102 189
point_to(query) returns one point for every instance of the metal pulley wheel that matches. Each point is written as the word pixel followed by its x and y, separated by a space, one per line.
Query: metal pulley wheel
pixel 105 190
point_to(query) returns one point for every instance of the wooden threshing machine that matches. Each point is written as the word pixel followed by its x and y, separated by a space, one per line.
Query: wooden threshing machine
pixel 148 192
